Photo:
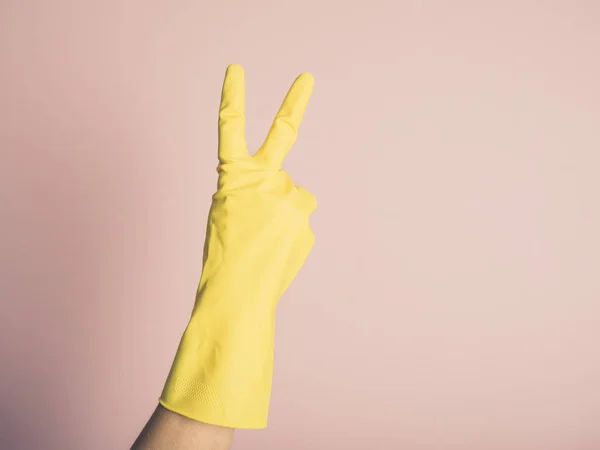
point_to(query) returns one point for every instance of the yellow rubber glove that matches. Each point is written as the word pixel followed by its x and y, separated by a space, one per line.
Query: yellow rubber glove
pixel 258 237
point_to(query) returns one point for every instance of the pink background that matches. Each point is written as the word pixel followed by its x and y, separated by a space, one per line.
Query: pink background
pixel 452 301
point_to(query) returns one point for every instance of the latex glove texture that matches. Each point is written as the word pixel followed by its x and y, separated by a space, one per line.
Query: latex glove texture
pixel 258 237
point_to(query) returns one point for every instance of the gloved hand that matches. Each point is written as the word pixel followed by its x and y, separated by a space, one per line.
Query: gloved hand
pixel 258 237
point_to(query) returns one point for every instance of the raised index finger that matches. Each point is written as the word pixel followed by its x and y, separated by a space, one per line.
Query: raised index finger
pixel 284 130
pixel 232 141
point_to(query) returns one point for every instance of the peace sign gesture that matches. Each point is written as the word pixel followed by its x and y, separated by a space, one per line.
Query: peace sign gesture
pixel 258 236
pixel 283 132
pixel 253 175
